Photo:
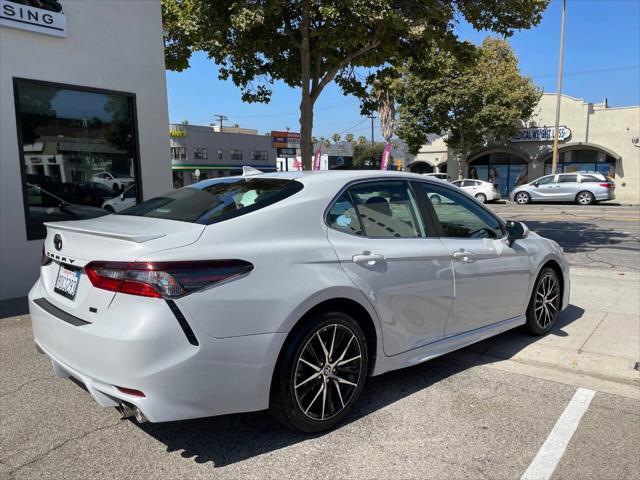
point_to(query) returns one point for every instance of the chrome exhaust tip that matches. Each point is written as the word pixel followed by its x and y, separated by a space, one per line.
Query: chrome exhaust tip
pixel 140 418
pixel 127 411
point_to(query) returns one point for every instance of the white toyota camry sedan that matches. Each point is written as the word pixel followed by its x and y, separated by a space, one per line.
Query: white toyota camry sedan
pixel 282 291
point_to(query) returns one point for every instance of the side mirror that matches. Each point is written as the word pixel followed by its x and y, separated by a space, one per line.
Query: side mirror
pixel 535 184
pixel 516 231
pixel 122 196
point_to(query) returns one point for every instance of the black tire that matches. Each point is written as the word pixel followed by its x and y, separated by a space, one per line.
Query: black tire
pixel 287 405
pixel 585 198
pixel 541 314
pixel 522 198
pixel 481 197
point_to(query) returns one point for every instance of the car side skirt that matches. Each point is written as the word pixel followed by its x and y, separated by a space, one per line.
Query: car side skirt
pixel 444 346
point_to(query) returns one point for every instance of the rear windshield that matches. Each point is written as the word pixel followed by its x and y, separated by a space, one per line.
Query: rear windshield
pixel 214 202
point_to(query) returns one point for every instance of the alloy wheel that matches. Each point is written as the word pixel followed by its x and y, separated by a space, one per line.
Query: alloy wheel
pixel 585 198
pixel 481 197
pixel 522 198
pixel 547 301
pixel 328 371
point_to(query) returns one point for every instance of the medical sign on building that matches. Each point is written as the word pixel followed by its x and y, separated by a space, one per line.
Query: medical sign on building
pixel 541 134
pixel 40 16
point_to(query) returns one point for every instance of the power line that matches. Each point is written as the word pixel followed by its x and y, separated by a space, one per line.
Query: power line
pixel 588 72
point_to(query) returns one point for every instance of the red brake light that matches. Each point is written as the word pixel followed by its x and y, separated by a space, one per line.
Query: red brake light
pixel 163 279
pixel 607 185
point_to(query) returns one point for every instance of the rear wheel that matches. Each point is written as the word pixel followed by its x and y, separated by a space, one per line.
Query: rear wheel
pixel 435 199
pixel 481 197
pixel 522 198
pixel 321 373
pixel 585 198
pixel 544 305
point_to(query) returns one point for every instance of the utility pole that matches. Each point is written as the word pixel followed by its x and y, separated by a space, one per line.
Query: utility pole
pixel 220 119
pixel 554 160
pixel 372 117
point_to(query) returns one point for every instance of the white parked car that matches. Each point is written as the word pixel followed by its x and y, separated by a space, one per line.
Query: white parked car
pixel 115 181
pixel 126 199
pixel 483 191
pixel 282 291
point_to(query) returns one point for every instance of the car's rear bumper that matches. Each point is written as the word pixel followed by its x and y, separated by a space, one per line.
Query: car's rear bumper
pixel 140 345
pixel 605 195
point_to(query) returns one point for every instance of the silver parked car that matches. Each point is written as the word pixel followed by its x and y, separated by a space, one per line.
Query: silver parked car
pixel 584 188
pixel 483 191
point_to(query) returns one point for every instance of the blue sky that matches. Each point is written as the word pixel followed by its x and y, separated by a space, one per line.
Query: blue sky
pixel 602 59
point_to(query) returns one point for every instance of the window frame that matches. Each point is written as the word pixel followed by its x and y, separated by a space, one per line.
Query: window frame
pixel 135 151
pixel 434 216
pixel 429 227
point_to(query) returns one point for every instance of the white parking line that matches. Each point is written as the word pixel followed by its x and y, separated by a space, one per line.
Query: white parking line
pixel 549 455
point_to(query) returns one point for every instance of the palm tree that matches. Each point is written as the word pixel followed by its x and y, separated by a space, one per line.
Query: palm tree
pixel 349 138
pixel 362 140
pixel 335 137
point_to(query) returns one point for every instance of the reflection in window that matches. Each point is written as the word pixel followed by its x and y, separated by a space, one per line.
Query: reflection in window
pixel 78 148
pixel 504 170
pixel 342 216
pixel 583 161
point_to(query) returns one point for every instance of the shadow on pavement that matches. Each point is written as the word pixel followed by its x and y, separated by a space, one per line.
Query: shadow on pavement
pixel 576 237
pixel 229 439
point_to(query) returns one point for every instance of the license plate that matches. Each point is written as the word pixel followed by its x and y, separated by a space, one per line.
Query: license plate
pixel 67 281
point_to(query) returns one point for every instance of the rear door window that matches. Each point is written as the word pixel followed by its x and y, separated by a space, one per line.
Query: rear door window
pixel 216 201
pixel 387 209
pixel 567 178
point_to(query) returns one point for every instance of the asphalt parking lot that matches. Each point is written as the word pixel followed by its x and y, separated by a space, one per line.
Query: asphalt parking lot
pixel 563 406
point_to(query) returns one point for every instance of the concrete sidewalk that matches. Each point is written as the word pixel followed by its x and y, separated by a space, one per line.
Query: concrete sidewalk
pixel 594 344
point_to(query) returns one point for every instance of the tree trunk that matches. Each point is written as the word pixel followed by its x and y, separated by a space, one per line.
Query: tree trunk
pixel 462 158
pixel 306 101
pixel 306 129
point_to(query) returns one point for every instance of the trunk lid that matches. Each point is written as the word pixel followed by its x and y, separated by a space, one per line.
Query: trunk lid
pixel 117 238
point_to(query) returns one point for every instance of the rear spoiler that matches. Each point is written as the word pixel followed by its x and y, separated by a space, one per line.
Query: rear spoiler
pixel 131 237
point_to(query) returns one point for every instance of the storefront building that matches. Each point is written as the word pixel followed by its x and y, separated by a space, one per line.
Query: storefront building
pixel 592 137
pixel 83 115
pixel 200 152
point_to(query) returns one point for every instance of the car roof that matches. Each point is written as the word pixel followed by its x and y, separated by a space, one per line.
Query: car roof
pixel 333 176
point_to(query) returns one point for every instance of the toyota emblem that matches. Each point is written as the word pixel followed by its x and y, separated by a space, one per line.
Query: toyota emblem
pixel 57 242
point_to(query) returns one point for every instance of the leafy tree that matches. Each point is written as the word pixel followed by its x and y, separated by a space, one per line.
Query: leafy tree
pixel 479 100
pixel 308 44
pixel 367 156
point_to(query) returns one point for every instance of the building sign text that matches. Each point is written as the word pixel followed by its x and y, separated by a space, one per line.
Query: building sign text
pixel 541 134
pixel 46 18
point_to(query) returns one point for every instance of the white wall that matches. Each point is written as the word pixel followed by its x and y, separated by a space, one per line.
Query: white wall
pixel 110 44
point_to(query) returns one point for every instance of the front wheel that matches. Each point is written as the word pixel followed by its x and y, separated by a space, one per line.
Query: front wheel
pixel 545 302
pixel 321 373
pixel 481 197
pixel 585 198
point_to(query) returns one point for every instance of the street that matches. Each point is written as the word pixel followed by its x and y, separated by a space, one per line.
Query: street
pixel 483 412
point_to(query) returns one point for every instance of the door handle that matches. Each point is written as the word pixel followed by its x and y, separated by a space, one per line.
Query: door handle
pixel 463 256
pixel 368 259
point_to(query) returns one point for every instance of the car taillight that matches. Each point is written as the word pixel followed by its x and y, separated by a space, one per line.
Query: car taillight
pixel 607 185
pixel 163 279
pixel 44 260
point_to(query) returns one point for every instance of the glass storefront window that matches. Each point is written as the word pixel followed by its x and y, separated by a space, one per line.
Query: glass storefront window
pixel 583 161
pixel 78 150
pixel 503 169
